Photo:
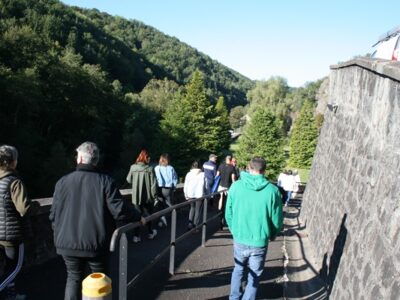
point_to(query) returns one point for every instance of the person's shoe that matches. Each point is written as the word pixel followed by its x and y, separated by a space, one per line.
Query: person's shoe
pixel 164 221
pixel 190 225
pixel 136 239
pixel 152 235
pixel 222 224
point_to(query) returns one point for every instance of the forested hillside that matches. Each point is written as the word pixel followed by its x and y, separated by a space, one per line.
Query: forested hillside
pixel 169 57
pixel 69 75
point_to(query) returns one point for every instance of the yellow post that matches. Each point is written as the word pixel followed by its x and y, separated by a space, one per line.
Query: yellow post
pixel 96 286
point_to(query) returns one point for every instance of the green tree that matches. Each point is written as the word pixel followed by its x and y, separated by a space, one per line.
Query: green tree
pixel 220 123
pixel 158 94
pixel 191 126
pixel 303 140
pixel 262 137
pixel 236 117
pixel 269 94
pixel 184 124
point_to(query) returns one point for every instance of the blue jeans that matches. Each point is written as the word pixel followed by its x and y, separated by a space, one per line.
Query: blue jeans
pixel 289 196
pixel 252 258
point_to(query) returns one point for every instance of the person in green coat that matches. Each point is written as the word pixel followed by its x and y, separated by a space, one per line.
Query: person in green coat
pixel 254 216
pixel 144 190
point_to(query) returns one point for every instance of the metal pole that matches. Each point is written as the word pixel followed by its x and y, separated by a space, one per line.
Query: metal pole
pixel 172 249
pixel 204 227
pixel 123 267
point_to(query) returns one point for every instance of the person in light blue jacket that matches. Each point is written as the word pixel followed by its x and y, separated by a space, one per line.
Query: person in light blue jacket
pixel 167 179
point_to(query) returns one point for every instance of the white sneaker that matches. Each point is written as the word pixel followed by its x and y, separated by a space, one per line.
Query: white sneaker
pixel 136 239
pixel 152 235
pixel 164 220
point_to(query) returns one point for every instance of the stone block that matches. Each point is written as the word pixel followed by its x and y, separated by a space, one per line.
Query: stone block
pixel 376 293
pixel 395 291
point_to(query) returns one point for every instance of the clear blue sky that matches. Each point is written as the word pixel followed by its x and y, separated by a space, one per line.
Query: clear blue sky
pixel 295 39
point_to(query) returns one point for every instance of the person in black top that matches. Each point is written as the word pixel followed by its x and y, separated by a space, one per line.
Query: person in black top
pixel 87 207
pixel 228 175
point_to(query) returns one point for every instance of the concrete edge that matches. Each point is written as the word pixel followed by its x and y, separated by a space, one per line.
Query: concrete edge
pixel 387 68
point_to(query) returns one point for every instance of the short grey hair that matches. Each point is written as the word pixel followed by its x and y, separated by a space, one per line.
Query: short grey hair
pixel 8 154
pixel 90 153
pixel 258 164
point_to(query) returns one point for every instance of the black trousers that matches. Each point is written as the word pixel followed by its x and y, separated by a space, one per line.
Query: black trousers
pixel 12 259
pixel 146 210
pixel 75 273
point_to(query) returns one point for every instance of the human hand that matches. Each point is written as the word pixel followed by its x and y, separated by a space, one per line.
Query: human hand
pixel 142 221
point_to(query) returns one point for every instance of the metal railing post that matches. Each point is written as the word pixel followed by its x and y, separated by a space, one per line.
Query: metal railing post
pixel 172 249
pixel 123 267
pixel 204 227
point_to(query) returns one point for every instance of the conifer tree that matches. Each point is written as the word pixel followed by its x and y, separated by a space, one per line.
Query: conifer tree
pixel 186 131
pixel 303 140
pixel 262 137
pixel 219 135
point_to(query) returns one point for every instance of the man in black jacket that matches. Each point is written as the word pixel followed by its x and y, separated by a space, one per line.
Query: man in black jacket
pixel 86 208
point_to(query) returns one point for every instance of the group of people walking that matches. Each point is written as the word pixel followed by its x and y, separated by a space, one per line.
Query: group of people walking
pixel 87 207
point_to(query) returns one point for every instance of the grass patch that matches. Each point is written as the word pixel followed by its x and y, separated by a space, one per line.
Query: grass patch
pixel 304 174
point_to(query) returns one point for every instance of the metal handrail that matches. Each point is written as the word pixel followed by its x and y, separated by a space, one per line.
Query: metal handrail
pixel 131 226
pixel 120 235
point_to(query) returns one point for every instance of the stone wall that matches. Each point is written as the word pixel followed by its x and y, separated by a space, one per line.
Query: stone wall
pixel 351 205
pixel 39 244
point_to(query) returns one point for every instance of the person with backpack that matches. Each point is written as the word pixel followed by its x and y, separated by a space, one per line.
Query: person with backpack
pixel 167 179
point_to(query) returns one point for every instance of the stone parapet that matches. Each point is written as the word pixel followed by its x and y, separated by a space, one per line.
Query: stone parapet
pixel 39 244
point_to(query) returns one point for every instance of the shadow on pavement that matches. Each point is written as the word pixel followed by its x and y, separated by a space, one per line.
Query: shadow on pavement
pixel 313 286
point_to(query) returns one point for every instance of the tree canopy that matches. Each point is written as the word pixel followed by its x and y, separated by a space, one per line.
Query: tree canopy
pixel 262 137
pixel 68 75
pixel 192 127
pixel 303 140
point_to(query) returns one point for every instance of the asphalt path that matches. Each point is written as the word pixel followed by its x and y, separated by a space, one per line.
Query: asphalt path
pixel 200 272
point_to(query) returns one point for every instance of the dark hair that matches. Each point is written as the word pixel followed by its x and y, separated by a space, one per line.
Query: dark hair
pixel 195 164
pixel 258 164
pixel 164 159
pixel 8 154
pixel 143 157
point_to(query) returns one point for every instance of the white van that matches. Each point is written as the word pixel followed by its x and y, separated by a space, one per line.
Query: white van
pixel 388 46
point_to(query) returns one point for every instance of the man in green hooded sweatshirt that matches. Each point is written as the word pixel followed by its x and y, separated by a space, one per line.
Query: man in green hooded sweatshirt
pixel 254 216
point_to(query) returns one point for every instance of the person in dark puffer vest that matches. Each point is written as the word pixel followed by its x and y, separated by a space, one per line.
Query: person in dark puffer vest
pixel 14 204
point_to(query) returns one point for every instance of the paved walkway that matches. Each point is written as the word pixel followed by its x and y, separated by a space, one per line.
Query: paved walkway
pixel 201 272
pixel 206 272
pixel 301 272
